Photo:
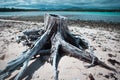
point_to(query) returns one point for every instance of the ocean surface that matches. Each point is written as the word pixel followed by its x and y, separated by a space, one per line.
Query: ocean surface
pixel 96 16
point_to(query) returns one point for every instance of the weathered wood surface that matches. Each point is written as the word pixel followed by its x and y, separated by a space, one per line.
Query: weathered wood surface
pixel 55 40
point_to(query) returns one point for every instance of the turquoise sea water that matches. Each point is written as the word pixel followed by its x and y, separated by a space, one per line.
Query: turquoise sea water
pixel 97 16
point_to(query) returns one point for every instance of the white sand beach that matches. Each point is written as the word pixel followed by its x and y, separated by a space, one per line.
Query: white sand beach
pixel 105 42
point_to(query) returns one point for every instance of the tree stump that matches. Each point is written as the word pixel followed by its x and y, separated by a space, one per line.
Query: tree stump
pixel 55 40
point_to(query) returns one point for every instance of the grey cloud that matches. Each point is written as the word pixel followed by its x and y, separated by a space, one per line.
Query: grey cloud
pixel 78 3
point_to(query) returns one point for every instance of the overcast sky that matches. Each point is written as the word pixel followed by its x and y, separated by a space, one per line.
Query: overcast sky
pixel 73 3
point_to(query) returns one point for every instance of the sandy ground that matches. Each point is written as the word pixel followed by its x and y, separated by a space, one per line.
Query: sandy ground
pixel 106 44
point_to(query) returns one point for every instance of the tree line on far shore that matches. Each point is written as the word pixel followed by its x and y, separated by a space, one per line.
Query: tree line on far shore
pixel 69 9
pixel 15 9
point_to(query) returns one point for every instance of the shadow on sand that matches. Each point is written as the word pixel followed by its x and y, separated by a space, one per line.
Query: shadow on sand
pixel 34 66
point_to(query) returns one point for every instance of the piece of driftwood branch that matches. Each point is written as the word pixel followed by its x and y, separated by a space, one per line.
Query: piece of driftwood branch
pixel 55 40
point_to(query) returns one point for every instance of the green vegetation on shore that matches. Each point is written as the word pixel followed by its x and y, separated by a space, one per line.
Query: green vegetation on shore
pixel 15 9
pixel 69 9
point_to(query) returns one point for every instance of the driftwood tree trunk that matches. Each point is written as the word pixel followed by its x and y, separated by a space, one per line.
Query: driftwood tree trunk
pixel 54 40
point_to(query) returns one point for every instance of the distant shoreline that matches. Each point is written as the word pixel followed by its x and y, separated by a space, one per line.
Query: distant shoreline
pixel 16 10
pixel 71 9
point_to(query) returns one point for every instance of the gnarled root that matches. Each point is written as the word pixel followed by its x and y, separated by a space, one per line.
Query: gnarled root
pixel 55 40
